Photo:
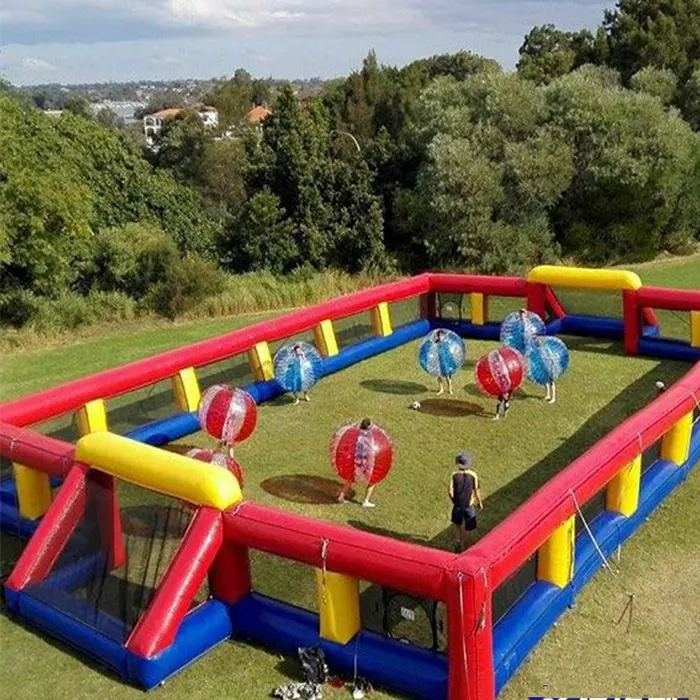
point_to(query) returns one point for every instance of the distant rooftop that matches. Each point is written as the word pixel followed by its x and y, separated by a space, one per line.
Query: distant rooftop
pixel 258 114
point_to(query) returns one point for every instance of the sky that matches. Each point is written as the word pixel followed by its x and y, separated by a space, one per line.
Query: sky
pixel 78 41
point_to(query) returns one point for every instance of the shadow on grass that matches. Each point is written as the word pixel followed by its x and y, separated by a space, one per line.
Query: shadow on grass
pixel 451 408
pixel 394 386
pixel 304 488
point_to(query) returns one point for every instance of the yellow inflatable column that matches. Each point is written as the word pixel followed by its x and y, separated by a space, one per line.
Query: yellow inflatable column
pixel 261 362
pixel 622 495
pixel 92 417
pixel 695 329
pixel 186 390
pixel 555 559
pixel 480 311
pixel 324 336
pixel 381 320
pixel 675 446
pixel 33 491
pixel 338 605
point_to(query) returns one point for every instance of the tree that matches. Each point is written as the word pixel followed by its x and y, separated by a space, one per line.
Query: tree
pixel 660 83
pixel 261 238
pixel 634 161
pixel 546 54
pixel 492 172
pixel 659 33
pixel 180 145
pixel 690 100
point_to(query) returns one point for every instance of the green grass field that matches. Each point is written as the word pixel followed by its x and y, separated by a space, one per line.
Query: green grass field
pixel 286 466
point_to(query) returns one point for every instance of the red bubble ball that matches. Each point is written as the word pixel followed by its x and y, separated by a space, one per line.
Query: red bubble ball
pixel 227 414
pixel 220 460
pixel 362 455
pixel 500 372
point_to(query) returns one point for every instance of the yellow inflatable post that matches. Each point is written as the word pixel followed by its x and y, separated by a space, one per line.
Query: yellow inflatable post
pixel 324 336
pixel 186 390
pixel 675 445
pixel 33 491
pixel 260 362
pixel 585 278
pixel 164 472
pixel 92 417
pixel 555 559
pixel 480 311
pixel 338 605
pixel 381 320
pixel 695 329
pixel 622 495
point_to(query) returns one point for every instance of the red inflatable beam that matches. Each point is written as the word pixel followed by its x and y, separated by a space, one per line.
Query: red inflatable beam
pixel 53 532
pixel 481 284
pixel 671 299
pixel 71 396
pixel 158 626
pixel 509 544
pixel 418 571
pixel 554 303
pixel 35 450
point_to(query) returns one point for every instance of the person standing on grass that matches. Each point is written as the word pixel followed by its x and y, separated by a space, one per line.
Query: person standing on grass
pixel 448 367
pixel 503 405
pixel 363 466
pixel 465 495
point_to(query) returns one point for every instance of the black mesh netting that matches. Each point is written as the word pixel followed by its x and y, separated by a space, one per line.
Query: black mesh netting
pixel 591 510
pixel 417 621
pixel 106 579
pixel 307 337
pixel 353 329
pixel 499 307
pixel 234 371
pixel 454 307
pixel 63 427
pixel 513 588
pixel 580 302
pixel 132 410
pixel 286 580
pixel 674 325
pixel 403 312
pixel 651 455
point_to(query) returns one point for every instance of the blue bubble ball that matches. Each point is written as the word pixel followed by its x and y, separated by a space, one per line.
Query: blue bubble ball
pixel 442 353
pixel 546 358
pixel 297 366
pixel 519 328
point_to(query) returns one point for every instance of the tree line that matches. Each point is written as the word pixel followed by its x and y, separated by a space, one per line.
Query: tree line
pixel 589 150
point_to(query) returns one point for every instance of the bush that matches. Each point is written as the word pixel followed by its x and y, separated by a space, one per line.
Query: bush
pixel 131 259
pixel 186 284
pixel 18 307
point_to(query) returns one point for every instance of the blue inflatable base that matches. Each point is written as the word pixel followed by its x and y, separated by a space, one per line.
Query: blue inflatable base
pixel 668 349
pixel 387 663
pixel 519 631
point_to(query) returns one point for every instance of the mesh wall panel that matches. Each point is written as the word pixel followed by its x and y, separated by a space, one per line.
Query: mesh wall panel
pixel 591 511
pixel 403 312
pixel 353 329
pixel 234 371
pixel 90 583
pixel 581 302
pixel 513 588
pixel 650 455
pixel 132 410
pixel 285 580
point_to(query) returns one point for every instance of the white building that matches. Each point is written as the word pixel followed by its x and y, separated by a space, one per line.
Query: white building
pixel 153 123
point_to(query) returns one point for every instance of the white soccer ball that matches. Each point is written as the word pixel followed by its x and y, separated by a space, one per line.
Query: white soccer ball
pixel 416 405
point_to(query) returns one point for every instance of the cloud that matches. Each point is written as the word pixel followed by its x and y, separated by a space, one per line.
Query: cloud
pixel 31 64
pixel 66 21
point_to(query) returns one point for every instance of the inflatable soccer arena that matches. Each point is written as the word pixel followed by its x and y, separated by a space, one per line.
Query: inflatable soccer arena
pixel 147 595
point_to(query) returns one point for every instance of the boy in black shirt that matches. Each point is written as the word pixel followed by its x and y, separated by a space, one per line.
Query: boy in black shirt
pixel 465 495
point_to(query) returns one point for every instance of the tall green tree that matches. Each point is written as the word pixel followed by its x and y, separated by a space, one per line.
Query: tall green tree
pixel 659 33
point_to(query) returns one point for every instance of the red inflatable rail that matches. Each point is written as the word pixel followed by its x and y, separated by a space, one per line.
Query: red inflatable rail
pixel 37 451
pixel 41 406
pixel 400 565
pixel 671 299
pixel 510 543
pixel 490 286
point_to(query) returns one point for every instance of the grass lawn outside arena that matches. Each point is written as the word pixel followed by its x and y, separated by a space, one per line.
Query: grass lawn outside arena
pixel 286 465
